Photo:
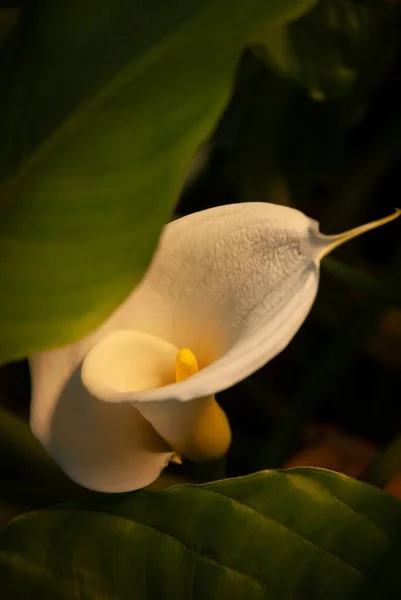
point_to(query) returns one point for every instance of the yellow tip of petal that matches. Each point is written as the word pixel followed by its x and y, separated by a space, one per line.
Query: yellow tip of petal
pixel 186 365
pixel 341 238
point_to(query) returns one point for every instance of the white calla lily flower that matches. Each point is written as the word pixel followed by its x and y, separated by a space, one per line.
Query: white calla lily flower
pixel 227 290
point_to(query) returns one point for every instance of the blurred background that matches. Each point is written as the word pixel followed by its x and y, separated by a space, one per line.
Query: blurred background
pixel 314 122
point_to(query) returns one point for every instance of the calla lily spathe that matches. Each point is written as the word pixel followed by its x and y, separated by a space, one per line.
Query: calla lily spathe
pixel 232 285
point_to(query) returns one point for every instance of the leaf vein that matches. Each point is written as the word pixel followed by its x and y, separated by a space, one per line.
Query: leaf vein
pixel 202 555
pixel 329 492
pixel 271 519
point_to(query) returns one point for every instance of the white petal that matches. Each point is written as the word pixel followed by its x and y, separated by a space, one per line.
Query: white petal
pixel 220 283
pixel 233 284
pixel 104 447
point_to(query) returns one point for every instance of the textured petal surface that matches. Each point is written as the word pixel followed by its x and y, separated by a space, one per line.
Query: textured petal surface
pixel 234 284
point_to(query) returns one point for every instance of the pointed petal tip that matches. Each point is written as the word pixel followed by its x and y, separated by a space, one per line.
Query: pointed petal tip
pixel 327 243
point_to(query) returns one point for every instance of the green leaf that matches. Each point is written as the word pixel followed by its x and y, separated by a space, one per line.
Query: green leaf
pixel 108 105
pixel 303 533
pixel 312 53
pixel 29 477
pixel 328 49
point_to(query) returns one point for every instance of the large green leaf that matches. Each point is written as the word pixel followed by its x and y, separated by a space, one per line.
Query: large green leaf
pixel 339 45
pixel 29 477
pixel 103 108
pixel 303 533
